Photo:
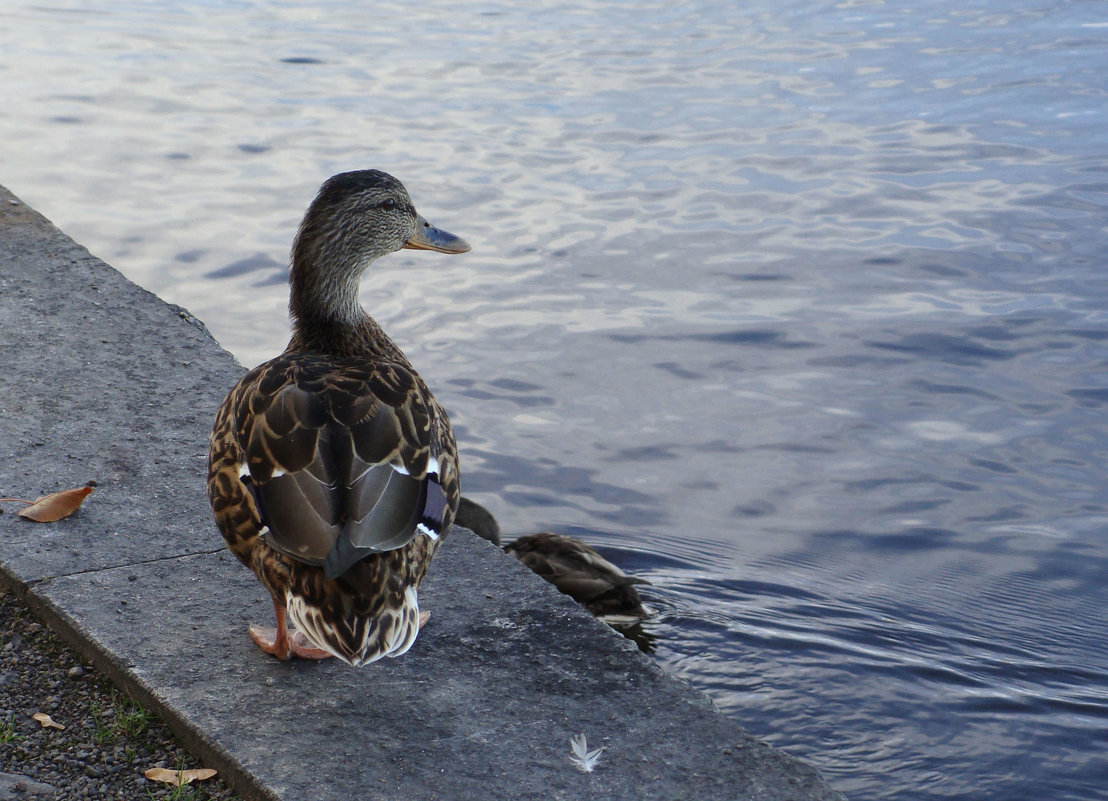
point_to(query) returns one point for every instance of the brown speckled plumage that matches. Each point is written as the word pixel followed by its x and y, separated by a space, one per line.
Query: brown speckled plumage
pixel 333 471
pixel 580 572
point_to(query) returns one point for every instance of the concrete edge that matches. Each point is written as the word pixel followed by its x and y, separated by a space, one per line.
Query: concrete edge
pixel 27 584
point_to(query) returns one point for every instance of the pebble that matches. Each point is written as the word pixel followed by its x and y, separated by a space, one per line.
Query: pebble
pixel 15 786
pixel 88 759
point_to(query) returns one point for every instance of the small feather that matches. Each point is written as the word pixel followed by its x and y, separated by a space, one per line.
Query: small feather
pixel 582 757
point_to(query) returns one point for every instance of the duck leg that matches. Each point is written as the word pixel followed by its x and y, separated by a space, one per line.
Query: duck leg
pixel 282 643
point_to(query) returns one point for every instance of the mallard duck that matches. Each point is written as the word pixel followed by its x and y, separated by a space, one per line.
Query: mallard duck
pixel 477 519
pixel 333 472
pixel 580 572
pixel 573 567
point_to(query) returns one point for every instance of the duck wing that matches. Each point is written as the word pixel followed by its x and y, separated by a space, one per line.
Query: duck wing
pixel 344 458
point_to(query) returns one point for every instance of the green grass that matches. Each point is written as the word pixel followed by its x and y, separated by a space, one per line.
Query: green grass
pixel 125 717
pixel 131 718
pixel 7 731
pixel 104 733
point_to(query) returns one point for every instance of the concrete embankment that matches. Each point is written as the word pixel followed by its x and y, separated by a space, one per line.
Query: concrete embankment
pixel 104 382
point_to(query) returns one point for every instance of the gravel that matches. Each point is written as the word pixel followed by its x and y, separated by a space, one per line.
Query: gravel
pixel 108 740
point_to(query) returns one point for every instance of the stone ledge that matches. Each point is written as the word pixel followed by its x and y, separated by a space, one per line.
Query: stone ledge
pixel 103 381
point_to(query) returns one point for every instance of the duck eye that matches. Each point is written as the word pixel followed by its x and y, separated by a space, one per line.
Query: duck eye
pixel 388 204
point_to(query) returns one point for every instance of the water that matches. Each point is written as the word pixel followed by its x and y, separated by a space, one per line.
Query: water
pixel 794 308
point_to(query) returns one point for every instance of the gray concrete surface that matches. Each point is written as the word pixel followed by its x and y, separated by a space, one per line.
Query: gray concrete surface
pixel 102 381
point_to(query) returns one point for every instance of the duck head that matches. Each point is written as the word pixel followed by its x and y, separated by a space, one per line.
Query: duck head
pixel 357 217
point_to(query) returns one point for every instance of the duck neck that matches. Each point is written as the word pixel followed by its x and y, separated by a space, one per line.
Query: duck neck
pixel 326 315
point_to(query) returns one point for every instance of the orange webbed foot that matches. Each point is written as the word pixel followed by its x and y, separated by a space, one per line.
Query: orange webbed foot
pixel 303 648
pixel 283 643
pixel 295 644
pixel 266 638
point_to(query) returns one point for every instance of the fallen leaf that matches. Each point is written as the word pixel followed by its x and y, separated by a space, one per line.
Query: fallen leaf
pixel 56 505
pixel 178 777
pixel 46 721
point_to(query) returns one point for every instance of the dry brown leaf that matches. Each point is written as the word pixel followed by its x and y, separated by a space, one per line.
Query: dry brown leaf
pixel 56 505
pixel 46 721
pixel 178 777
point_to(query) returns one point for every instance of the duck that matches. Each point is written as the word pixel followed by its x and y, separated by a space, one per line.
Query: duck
pixel 477 519
pixel 573 566
pixel 580 572
pixel 333 473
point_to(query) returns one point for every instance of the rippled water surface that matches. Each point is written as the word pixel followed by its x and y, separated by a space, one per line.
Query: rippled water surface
pixel 796 309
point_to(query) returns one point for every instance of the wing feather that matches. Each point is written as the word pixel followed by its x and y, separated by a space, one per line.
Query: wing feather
pixel 341 460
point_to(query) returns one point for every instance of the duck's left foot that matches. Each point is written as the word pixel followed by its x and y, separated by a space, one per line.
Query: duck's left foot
pixel 283 642
pixel 304 649
pixel 270 641
pixel 424 616
pixel 293 644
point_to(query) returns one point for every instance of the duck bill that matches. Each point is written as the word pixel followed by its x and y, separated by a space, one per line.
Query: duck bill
pixel 428 237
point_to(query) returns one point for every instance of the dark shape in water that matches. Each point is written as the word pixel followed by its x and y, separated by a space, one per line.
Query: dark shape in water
pixel 583 574
pixel 259 261
pixel 575 568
